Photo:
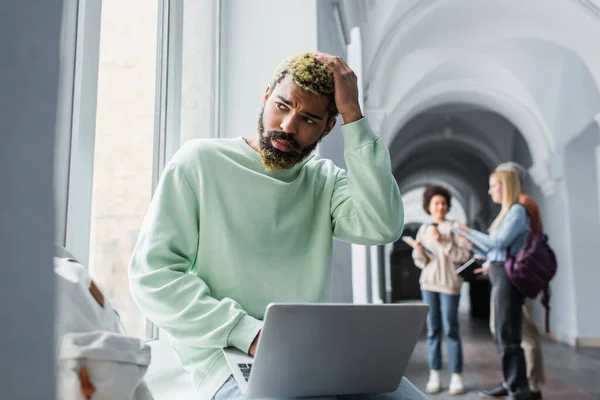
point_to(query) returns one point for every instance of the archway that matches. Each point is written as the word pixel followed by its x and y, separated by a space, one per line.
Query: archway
pixel 462 161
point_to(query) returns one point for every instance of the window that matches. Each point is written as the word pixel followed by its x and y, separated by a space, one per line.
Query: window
pixel 190 73
pixel 140 79
pixel 199 77
pixel 123 148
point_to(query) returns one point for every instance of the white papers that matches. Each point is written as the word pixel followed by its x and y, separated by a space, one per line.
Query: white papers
pixel 412 243
pixel 476 242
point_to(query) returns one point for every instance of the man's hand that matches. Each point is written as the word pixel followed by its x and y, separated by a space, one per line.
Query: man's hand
pixel 252 350
pixel 346 87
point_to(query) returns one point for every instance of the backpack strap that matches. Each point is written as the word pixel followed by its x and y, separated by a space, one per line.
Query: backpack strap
pixel 546 304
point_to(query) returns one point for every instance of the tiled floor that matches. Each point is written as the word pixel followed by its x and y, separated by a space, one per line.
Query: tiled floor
pixel 570 374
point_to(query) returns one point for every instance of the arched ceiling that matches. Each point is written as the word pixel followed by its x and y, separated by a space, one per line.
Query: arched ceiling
pixel 448 166
pixel 521 60
pixel 452 160
pixel 409 25
pixel 451 126
pixel 454 145
pixel 520 111
pixel 453 134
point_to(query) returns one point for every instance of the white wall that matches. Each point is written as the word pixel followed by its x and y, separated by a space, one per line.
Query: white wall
pixel 557 225
pixel 578 100
pixel 29 74
pixel 584 216
pixel 256 36
pixel 330 40
pixel 197 84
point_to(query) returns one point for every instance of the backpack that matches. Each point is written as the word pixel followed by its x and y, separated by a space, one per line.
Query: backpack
pixel 532 269
pixel 96 359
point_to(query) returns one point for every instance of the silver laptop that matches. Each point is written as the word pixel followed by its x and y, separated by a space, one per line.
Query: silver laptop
pixel 329 349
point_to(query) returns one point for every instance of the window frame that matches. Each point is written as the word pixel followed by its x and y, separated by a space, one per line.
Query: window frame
pixel 77 124
pixel 77 107
pixel 163 107
pixel 64 116
pixel 167 127
pixel 76 127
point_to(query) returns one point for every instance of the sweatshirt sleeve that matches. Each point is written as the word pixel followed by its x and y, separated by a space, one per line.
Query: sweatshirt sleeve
pixel 515 222
pixel 178 302
pixel 420 259
pixel 366 206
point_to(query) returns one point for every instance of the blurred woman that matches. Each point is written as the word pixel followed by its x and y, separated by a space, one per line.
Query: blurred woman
pixel 506 235
pixel 438 253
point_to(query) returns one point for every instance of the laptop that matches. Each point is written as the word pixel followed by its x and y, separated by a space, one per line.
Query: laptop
pixel 329 349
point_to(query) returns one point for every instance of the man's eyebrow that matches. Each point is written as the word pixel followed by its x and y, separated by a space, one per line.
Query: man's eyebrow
pixel 289 103
pixel 313 116
pixel 286 101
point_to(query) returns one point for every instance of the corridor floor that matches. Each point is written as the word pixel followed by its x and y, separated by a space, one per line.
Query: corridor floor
pixel 570 374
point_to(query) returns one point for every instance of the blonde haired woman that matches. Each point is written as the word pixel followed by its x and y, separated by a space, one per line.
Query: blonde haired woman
pixel 506 235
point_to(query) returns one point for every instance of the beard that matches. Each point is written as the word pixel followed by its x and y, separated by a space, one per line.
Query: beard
pixel 274 159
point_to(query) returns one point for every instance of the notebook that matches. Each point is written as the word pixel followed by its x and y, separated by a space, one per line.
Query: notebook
pixel 467 270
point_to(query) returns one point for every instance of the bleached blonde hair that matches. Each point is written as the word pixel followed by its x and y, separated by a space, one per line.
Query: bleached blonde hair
pixel 511 188
pixel 309 74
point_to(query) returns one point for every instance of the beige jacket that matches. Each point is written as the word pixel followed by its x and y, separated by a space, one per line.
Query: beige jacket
pixel 439 275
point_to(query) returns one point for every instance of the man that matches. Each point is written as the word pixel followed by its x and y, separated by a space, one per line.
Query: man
pixel 236 224
pixel 531 338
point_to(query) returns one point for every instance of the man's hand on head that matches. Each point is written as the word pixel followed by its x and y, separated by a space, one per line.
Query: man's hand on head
pixel 252 350
pixel 346 87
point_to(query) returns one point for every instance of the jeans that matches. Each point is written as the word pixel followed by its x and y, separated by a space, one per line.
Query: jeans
pixel 508 323
pixel 443 312
pixel 406 391
pixel 531 346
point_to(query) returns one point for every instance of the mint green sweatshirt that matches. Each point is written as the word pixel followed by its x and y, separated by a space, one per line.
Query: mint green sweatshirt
pixel 223 238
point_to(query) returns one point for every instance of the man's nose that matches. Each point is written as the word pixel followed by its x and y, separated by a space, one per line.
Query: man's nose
pixel 289 124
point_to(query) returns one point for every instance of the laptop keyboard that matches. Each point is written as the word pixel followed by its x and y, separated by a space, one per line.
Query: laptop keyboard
pixel 245 368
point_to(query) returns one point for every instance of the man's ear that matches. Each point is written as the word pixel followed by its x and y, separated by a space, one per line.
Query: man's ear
pixel 329 127
pixel 267 94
